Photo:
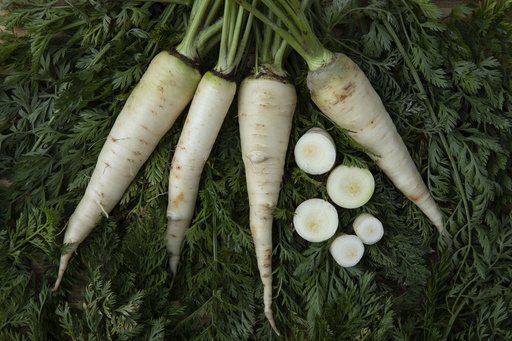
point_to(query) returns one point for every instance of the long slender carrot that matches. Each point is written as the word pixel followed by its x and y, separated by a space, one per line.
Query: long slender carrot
pixel 265 111
pixel 209 107
pixel 266 104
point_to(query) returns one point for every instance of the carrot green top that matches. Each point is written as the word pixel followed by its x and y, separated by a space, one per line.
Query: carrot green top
pixel 299 33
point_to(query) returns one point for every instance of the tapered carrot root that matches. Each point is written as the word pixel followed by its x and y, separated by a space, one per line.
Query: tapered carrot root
pixel 207 111
pixel 152 108
pixel 344 94
pixel 265 112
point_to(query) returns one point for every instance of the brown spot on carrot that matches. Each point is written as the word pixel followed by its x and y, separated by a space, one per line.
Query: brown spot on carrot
pixel 113 139
pixel 370 125
pixel 160 88
pixel 269 205
pixel 349 87
pixel 267 259
pixel 414 197
pixel 179 199
pixel 265 275
pixel 344 93
pixel 143 141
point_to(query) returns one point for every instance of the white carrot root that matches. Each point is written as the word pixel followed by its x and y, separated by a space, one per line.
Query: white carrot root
pixel 316 220
pixel 344 94
pixel 368 228
pixel 315 152
pixel 152 108
pixel 347 250
pixel 208 109
pixel 265 112
pixel 350 187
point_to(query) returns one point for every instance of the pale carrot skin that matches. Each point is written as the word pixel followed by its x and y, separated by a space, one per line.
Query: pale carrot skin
pixel 164 90
pixel 345 95
pixel 265 112
pixel 207 112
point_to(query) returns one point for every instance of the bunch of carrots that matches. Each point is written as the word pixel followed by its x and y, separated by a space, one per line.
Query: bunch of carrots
pixel 266 102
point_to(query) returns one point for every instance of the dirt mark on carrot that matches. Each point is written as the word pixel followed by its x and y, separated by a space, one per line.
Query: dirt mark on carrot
pixel 107 165
pixel 344 93
pixel 371 124
pixel 270 205
pixel 414 197
pixel 254 231
pixel 179 199
pixel 267 259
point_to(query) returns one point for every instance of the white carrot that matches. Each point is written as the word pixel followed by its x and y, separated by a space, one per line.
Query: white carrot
pixel 315 151
pixel 266 104
pixel 209 107
pixel 162 93
pixel 350 187
pixel 368 228
pixel 344 94
pixel 316 220
pixel 265 111
pixel 148 114
pixel 347 250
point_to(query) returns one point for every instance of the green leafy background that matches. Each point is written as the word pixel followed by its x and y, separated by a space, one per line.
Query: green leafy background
pixel 446 82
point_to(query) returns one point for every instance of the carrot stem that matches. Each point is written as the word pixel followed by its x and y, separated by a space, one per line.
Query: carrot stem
pixel 299 33
pixel 233 41
pixel 188 46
